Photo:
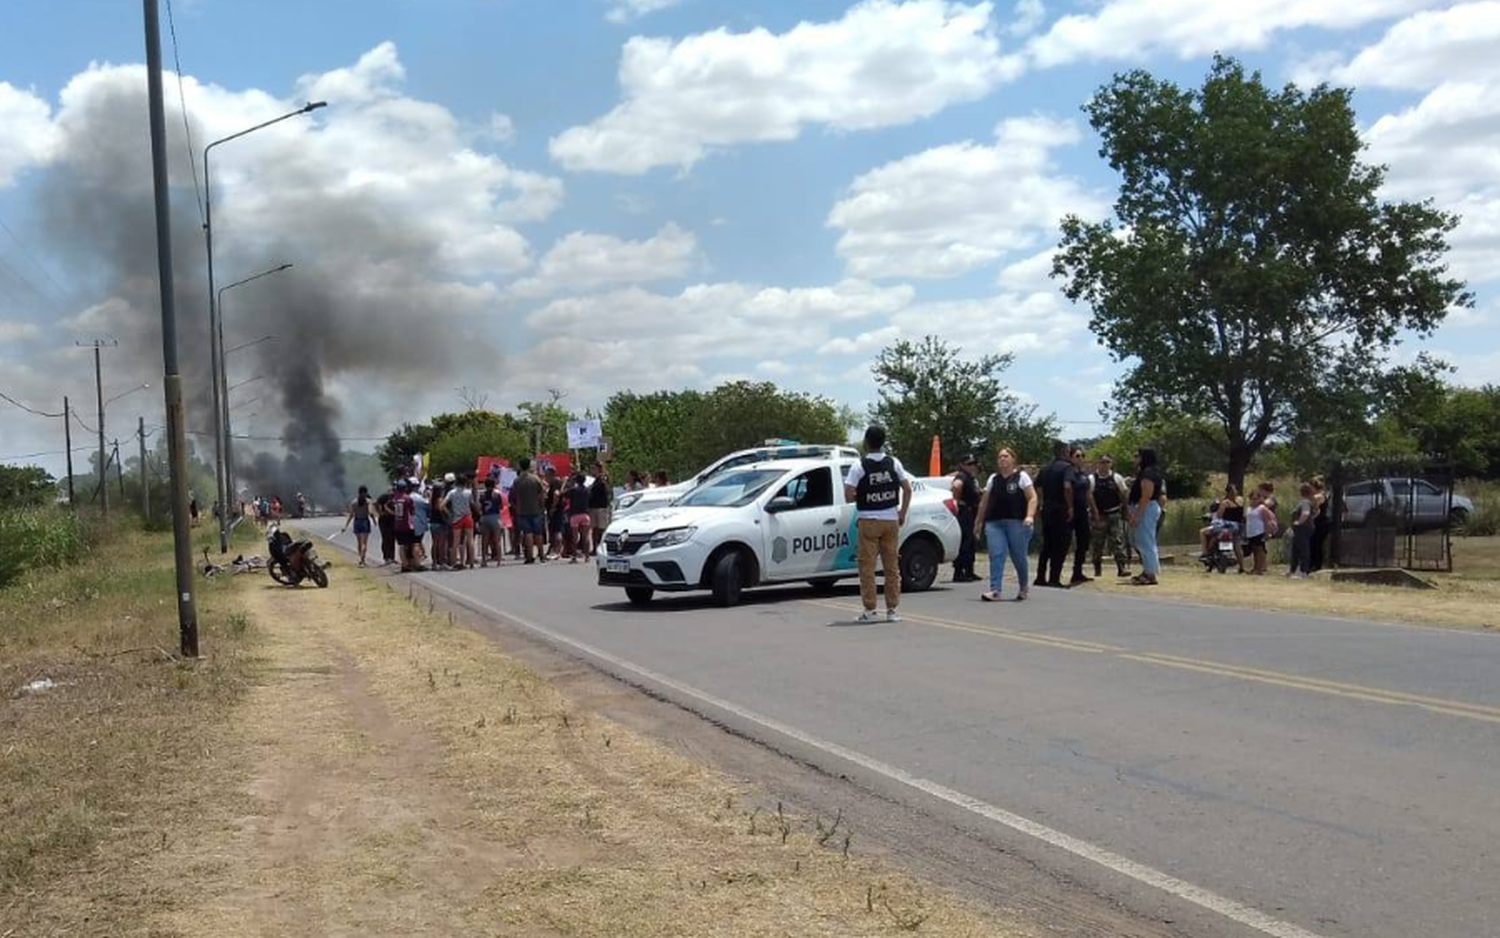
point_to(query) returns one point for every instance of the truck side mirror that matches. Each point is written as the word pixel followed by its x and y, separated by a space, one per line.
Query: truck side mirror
pixel 780 503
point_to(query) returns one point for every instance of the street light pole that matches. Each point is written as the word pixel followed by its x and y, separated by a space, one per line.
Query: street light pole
pixel 223 396
pixel 187 613
pixel 216 323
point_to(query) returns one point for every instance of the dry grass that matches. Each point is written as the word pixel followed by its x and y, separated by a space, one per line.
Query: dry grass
pixel 375 770
pixel 94 771
pixel 1468 598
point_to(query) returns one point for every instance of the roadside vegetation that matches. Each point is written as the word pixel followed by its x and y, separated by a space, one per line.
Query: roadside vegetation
pixel 348 761
pixel 101 726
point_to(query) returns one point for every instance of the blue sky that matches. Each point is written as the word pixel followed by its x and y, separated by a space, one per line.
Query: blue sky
pixel 593 195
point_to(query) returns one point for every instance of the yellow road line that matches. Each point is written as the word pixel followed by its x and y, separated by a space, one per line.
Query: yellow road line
pixel 1440 705
pixel 1053 641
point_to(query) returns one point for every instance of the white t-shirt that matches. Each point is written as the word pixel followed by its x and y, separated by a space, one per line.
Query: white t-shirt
pixel 1025 480
pixel 857 472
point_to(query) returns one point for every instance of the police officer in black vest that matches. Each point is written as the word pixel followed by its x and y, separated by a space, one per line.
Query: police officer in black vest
pixel 1055 482
pixel 881 492
pixel 966 497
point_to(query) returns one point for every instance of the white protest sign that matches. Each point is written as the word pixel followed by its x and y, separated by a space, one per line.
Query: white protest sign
pixel 584 434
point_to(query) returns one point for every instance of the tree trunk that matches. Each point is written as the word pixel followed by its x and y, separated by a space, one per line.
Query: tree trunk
pixel 1240 452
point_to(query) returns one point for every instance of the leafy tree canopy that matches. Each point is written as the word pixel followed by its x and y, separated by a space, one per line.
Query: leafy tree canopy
pixel 1250 272
pixel 25 486
pixel 927 388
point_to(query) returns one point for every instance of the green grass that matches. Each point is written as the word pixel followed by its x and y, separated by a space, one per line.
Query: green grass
pixel 104 752
pixel 38 539
pixel 1485 519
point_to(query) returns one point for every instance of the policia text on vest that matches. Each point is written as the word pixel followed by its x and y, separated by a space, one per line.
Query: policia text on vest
pixel 881 493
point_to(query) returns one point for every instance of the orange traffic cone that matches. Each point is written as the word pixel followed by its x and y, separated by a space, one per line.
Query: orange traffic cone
pixel 935 463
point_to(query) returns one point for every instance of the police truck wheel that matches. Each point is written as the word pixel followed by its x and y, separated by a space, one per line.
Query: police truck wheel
pixel 919 565
pixel 639 595
pixel 727 579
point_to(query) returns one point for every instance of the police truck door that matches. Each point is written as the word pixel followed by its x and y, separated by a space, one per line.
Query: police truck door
pixel 805 536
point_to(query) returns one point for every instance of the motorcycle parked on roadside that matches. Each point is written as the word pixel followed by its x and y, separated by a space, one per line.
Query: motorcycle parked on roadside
pixel 292 561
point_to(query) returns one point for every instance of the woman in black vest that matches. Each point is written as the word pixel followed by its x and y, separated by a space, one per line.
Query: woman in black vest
pixel 1007 513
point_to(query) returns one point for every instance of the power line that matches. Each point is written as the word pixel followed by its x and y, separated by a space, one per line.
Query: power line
pixel 36 263
pixel 186 127
pixel 50 452
pixel 29 410
pixel 80 421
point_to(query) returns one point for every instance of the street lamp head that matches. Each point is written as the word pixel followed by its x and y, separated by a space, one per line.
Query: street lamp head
pixel 313 106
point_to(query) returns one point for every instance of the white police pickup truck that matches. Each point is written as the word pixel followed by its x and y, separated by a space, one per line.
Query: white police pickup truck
pixel 633 502
pixel 783 521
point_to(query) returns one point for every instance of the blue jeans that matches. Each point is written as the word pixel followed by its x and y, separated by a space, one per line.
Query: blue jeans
pixel 1007 537
pixel 1145 539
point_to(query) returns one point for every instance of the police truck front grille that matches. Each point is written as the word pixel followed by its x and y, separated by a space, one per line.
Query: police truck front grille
pixel 618 546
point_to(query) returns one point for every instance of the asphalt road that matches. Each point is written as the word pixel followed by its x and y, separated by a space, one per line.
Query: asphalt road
pixel 1293 775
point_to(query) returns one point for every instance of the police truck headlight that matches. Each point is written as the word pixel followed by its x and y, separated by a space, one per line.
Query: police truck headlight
pixel 670 537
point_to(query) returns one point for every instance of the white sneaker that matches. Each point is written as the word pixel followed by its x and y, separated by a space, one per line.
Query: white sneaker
pixel 869 615
pixel 892 615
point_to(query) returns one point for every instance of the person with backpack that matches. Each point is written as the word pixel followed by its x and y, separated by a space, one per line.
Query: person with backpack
pixel 881 492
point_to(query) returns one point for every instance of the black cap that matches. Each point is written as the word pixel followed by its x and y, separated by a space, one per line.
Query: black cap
pixel 967 458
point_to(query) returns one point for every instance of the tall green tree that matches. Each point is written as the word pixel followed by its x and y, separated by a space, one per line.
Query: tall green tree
pixel 648 431
pixel 1251 270
pixel 25 486
pixel 927 388
pixel 741 414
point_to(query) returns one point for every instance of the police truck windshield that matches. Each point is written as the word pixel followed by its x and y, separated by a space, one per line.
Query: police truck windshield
pixel 733 489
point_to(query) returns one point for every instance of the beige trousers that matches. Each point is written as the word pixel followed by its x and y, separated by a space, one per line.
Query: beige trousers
pixel 879 539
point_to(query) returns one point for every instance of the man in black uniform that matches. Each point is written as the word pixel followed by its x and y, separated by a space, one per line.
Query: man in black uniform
pixel 1084 515
pixel 966 497
pixel 1055 483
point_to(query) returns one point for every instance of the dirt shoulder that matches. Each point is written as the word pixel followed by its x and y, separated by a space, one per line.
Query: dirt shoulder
pixel 384 771
pixel 1466 599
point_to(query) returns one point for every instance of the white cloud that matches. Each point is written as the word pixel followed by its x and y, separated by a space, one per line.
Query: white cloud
pixel 15 330
pixel 501 128
pixel 955 208
pixel 883 63
pixel 1132 29
pixel 27 137
pixel 1029 14
pixel 634 338
pixel 1460 43
pixel 581 261
pixel 623 11
pixel 1447 147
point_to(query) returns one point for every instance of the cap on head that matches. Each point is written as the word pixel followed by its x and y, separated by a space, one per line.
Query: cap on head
pixel 449 478
pixel 967 459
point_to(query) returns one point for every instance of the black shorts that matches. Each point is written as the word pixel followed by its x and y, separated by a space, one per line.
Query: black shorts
pixel 1256 542
pixel 407 538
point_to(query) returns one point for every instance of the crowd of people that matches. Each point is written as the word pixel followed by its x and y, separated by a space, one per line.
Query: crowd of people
pixel 459 522
pixel 1083 507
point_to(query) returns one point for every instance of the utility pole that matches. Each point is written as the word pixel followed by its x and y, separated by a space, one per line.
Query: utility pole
pixel 119 472
pixel 187 613
pixel 99 392
pixel 145 481
pixel 68 445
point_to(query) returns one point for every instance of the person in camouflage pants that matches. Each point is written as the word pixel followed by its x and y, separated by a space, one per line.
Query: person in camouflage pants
pixel 1109 495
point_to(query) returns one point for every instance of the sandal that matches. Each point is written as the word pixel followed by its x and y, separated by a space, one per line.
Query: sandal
pixel 990 596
